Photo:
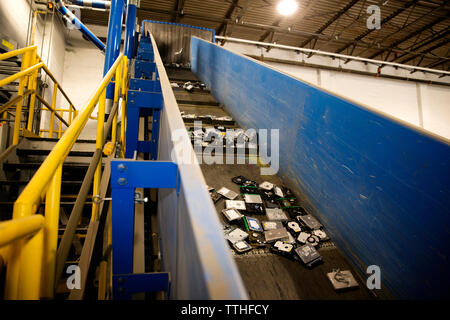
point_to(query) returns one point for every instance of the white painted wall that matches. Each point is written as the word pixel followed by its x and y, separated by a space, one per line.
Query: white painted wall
pixel 16 23
pixel 83 72
pixel 423 105
pixel 14 20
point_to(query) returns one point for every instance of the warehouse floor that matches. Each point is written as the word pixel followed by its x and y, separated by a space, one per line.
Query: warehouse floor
pixel 266 275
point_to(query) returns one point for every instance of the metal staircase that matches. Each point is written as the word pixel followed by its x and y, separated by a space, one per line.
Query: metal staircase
pixel 18 166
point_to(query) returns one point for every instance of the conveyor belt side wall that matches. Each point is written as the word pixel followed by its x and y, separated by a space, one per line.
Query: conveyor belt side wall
pixel 192 245
pixel 381 187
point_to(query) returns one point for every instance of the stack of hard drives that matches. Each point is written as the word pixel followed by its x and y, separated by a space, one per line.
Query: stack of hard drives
pixel 207 119
pixel 266 215
pixel 221 137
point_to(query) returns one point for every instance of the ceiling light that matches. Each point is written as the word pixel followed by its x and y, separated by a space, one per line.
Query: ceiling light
pixel 287 7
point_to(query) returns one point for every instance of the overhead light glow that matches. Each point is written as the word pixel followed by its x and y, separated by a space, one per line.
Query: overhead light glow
pixel 287 7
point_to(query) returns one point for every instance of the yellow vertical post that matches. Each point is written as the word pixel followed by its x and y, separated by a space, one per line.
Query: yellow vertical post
pixel 52 203
pixel 99 145
pixel 52 117
pixel 32 85
pixel 117 91
pixel 61 113
pixel 31 268
pixel 71 114
pixel 26 60
pixel 124 104
pixel 23 275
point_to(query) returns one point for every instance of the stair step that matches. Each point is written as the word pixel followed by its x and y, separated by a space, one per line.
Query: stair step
pixel 35 165
pixel 23 183
pixel 56 140
pixel 39 152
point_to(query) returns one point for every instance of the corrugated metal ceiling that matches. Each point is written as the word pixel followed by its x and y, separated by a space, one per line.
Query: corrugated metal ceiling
pixel 415 32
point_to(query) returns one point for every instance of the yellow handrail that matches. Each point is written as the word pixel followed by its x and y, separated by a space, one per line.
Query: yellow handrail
pixel 14 230
pixel 31 64
pixel 34 259
pixel 20 74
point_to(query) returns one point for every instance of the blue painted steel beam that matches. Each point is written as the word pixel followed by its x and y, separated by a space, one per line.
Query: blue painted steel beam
pixel 124 285
pixel 126 176
pixel 144 69
pixel 72 19
pixel 145 85
pixel 99 4
pixel 130 29
pixel 114 39
pixel 381 188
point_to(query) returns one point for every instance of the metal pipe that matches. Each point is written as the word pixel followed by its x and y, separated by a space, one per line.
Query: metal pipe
pixel 72 19
pixel 334 55
pixel 75 215
pixel 52 203
pixel 14 230
pixel 130 28
pixel 113 41
pixel 99 4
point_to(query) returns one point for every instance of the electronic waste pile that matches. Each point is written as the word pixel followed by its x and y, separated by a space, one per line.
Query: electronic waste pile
pixel 266 215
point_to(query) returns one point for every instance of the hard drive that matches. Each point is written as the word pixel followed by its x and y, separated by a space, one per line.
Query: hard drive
pixel 309 221
pixel 239 180
pixel 272 225
pixel 279 192
pixel 284 249
pixel 321 234
pixel 252 198
pixel 255 208
pixel 241 246
pixel 308 254
pixel 276 215
pixel 236 235
pixel 248 190
pixel 235 204
pixel 257 239
pixel 232 214
pixel 266 185
pixel 277 234
pixel 342 280
pixel 227 193
pixel 303 237
pixel 253 224
pixel 293 227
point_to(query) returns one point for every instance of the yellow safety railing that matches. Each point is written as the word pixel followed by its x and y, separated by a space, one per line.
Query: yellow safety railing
pixel 28 76
pixel 29 246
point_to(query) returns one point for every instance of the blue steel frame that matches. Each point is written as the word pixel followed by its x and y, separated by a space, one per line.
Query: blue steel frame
pixel 181 25
pixel 130 30
pixel 114 39
pixel 144 99
pixel 126 176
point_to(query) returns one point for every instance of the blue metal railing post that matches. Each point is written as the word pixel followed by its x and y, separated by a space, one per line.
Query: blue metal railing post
pixel 113 43
pixel 130 28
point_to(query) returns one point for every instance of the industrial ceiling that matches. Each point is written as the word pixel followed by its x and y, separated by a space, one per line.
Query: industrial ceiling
pixel 412 32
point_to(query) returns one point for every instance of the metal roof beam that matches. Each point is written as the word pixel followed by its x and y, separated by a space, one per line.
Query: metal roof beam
pixel 409 36
pixel 227 16
pixel 384 21
pixel 331 21
pixel 179 7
